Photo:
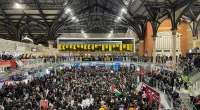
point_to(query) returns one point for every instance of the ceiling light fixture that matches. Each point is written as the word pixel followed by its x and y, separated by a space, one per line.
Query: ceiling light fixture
pixel 68 10
pixel 111 31
pixel 123 10
pixel 26 38
pixel 18 6
pixel 119 18
pixel 82 32
pixel 73 18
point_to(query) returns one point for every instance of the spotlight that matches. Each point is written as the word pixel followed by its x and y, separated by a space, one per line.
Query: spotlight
pixel 82 32
pixel 119 18
pixel 73 18
pixel 111 31
pixel 123 10
pixel 18 6
pixel 68 10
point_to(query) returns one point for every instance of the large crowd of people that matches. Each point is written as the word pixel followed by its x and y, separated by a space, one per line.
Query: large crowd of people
pixel 90 88
pixel 77 89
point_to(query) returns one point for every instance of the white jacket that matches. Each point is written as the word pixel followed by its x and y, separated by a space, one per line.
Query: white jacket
pixel 191 91
pixel 2 107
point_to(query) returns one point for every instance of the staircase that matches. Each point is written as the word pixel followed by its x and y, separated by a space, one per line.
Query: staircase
pixel 194 77
pixel 186 101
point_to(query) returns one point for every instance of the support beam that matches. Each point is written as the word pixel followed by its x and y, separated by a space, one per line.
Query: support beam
pixel 194 42
pixel 50 43
pixel 55 25
pixel 194 26
pixel 178 11
pixel 174 49
pixel 22 17
pixel 13 27
pixel 41 13
pixel 154 53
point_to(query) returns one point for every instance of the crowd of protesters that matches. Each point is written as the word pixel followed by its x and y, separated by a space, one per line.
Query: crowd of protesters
pixel 69 89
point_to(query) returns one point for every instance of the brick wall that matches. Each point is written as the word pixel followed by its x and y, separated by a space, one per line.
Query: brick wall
pixel 148 40
pixel 166 27
pixel 141 48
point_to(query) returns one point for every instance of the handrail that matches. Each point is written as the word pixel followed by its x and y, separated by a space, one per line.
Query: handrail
pixel 179 87
pixel 169 97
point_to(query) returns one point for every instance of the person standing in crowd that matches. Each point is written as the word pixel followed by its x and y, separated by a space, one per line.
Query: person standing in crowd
pixel 191 92
pixel 91 91
pixel 186 80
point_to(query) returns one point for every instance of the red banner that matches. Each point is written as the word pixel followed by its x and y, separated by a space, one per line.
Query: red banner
pixel 138 73
pixel 150 98
pixel 44 104
pixel 13 64
pixel 147 91
pixel 135 106
pixel 5 63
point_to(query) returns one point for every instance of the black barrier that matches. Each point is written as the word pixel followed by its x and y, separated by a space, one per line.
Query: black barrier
pixel 86 59
pixel 97 59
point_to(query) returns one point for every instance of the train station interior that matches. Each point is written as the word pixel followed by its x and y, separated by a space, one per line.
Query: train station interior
pixel 99 55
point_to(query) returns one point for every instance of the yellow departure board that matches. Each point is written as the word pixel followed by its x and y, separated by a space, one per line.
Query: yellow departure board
pixel 95 47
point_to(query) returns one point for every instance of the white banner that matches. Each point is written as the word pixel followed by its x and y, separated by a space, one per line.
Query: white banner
pixel 32 63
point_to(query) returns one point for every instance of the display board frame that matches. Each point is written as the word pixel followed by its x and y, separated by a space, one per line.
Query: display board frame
pixel 96 39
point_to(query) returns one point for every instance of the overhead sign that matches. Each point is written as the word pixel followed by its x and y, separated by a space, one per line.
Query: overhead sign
pixel 94 47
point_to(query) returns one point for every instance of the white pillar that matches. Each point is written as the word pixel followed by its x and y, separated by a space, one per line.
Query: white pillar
pixel 154 53
pixel 51 47
pixel 194 42
pixel 174 49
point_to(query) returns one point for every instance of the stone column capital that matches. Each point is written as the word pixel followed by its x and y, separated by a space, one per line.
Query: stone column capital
pixel 154 38
pixel 174 32
pixel 141 40
pixel 50 42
